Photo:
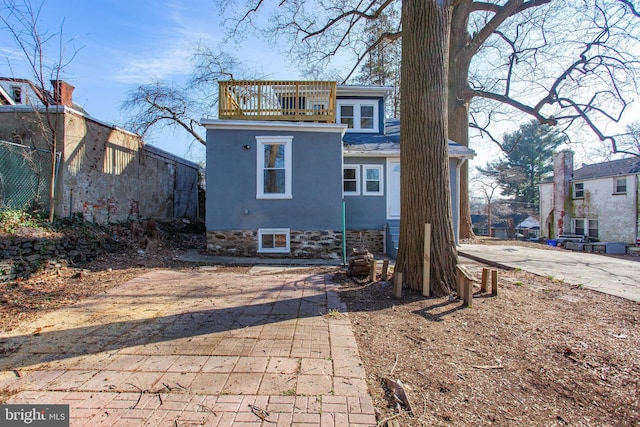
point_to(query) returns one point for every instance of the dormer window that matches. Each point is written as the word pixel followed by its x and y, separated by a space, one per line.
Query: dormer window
pixel 359 115
pixel 16 94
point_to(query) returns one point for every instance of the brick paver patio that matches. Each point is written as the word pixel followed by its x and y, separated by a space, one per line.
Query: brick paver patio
pixel 202 348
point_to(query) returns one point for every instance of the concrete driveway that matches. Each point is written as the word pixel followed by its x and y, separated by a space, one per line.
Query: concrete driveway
pixel 602 273
pixel 199 348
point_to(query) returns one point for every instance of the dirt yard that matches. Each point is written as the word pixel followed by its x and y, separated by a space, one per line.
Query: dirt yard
pixel 541 353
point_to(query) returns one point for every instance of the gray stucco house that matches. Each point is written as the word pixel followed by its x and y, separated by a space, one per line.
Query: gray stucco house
pixel 306 169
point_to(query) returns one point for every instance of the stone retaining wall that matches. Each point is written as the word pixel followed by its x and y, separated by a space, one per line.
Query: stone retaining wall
pixel 21 256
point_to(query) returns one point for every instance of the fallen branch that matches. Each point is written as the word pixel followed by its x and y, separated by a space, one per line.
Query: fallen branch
pixel 394 365
pixel 386 420
pixel 488 367
pixel 139 395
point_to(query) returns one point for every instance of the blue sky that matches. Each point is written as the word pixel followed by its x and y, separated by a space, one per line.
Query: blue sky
pixel 125 43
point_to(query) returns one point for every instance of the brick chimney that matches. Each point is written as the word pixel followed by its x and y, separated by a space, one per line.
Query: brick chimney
pixel 562 175
pixel 62 93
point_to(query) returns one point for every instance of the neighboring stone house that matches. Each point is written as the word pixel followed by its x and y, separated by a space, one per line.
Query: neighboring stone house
pixel 105 173
pixel 598 201
pixel 306 169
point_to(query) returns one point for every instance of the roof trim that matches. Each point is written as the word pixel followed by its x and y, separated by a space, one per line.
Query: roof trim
pixel 395 153
pixel 6 96
pixel 362 90
pixel 276 125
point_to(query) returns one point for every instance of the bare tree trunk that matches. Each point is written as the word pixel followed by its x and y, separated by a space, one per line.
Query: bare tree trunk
pixel 424 179
pixel 458 105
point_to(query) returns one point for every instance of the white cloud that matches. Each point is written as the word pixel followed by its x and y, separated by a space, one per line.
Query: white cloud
pixel 166 48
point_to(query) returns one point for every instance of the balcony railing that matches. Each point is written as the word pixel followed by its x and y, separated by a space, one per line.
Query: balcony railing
pixel 278 100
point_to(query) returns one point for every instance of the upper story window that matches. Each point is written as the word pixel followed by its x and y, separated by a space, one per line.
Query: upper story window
pixel 620 185
pixel 578 190
pixel 274 167
pixel 358 115
pixel 16 94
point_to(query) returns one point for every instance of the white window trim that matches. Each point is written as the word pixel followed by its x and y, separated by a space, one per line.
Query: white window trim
pixel 357 103
pixel 263 231
pixel 357 169
pixel 269 140
pixel 586 227
pixel 380 169
pixel 615 185
pixel 575 196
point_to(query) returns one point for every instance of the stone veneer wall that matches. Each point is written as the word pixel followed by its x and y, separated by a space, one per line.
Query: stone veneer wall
pixel 323 244
pixel 373 240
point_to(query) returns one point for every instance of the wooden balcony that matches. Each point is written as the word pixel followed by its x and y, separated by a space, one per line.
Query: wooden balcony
pixel 278 100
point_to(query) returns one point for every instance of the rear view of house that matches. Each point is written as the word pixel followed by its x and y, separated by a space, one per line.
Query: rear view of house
pixel 305 169
pixel 598 202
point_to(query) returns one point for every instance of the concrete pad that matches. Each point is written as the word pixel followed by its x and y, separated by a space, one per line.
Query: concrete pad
pixel 194 348
pixel 602 273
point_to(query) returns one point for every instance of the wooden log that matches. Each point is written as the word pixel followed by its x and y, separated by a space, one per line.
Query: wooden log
pixel 372 270
pixel 385 270
pixel 397 284
pixel 494 282
pixel 426 267
pixel 485 279
pixel 465 285
pixel 468 292
pixel 460 283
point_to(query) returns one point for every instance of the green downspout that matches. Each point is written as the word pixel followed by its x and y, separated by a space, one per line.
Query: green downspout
pixel 344 235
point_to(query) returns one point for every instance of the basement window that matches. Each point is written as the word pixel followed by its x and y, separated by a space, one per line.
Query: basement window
pixel 274 240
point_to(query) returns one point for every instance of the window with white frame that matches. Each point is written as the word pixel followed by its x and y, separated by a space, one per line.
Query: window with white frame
pixel 620 185
pixel 578 190
pixel 351 180
pixel 274 167
pixel 274 240
pixel 372 181
pixel 586 227
pixel 359 115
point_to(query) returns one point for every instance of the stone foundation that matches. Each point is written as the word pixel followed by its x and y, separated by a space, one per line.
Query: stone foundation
pixel 325 244
pixel 373 240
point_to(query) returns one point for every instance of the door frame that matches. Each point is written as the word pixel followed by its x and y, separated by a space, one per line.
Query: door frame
pixel 391 191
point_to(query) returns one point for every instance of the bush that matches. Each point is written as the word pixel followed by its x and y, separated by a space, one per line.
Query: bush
pixel 13 219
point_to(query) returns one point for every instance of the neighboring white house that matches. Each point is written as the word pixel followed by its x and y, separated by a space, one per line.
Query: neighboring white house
pixel 599 201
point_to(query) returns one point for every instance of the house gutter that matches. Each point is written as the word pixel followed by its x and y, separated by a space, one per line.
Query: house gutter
pixel 459 164
pixel 637 209
pixel 344 233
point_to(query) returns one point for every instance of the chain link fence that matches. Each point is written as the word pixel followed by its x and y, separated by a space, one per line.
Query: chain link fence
pixel 25 174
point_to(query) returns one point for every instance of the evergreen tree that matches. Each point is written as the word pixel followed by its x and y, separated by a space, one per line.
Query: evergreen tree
pixel 529 155
pixel 381 65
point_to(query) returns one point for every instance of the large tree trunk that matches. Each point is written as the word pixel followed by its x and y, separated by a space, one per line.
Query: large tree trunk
pixel 424 178
pixel 458 105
